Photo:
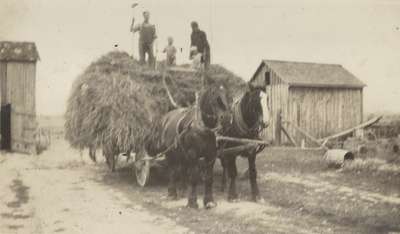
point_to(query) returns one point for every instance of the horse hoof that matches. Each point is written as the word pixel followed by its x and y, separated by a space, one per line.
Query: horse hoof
pixel 193 205
pixel 210 205
pixel 259 200
pixel 233 200
pixel 173 197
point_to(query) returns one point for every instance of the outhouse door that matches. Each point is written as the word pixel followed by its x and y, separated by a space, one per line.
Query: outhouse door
pixel 5 128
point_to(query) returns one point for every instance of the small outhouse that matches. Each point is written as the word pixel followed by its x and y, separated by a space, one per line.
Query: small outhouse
pixel 18 94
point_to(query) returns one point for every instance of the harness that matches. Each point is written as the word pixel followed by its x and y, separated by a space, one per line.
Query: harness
pixel 238 122
pixel 240 127
pixel 195 121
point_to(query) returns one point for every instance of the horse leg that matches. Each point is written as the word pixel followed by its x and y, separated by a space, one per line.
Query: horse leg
pixel 255 193
pixel 232 173
pixel 128 156
pixel 184 177
pixel 92 153
pixel 224 173
pixel 194 171
pixel 208 182
pixel 108 157
pixel 113 162
pixel 172 176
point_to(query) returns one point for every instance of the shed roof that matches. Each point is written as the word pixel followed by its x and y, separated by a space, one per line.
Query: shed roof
pixel 303 74
pixel 18 51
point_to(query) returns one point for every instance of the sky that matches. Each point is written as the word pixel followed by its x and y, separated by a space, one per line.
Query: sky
pixel 362 35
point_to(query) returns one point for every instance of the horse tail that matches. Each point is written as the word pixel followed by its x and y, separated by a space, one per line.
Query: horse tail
pixel 171 99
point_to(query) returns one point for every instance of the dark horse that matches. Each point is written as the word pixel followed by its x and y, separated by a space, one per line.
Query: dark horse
pixel 247 123
pixel 186 135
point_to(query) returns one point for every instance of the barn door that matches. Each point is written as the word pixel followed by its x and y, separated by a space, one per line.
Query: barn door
pixel 6 127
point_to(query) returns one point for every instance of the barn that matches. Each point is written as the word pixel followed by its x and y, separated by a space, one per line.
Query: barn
pixel 17 86
pixel 321 99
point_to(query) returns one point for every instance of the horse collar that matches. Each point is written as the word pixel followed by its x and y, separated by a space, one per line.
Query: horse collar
pixel 238 119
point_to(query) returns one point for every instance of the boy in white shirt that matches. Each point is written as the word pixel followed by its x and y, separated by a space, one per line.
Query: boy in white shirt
pixel 170 50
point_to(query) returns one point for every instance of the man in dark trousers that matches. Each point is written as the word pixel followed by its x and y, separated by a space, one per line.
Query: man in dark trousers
pixel 199 40
pixel 147 35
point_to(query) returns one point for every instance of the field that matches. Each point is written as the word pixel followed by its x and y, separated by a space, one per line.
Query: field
pixel 61 191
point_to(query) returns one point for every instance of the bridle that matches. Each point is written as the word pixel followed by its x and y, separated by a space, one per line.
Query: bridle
pixel 200 116
pixel 239 123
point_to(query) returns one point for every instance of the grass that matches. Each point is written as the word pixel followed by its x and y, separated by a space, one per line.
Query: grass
pixel 372 165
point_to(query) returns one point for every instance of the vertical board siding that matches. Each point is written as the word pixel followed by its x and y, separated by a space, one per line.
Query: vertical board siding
pixel 319 111
pixel 20 92
pixel 325 111
pixel 3 83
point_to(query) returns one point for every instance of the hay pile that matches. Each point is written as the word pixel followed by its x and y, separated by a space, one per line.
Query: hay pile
pixel 115 99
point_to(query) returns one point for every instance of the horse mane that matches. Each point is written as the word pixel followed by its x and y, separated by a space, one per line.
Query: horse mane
pixel 250 107
pixel 210 98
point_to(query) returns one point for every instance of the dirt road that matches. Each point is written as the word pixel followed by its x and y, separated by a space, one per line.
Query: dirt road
pixel 62 192
pixel 57 192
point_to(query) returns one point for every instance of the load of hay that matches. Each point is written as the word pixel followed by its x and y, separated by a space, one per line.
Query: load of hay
pixel 115 99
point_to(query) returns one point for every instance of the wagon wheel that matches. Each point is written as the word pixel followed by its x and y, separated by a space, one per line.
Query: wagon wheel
pixel 142 171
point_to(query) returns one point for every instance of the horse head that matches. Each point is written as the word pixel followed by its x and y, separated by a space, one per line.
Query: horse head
pixel 251 107
pixel 214 107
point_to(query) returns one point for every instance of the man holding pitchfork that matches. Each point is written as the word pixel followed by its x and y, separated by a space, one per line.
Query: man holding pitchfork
pixel 147 35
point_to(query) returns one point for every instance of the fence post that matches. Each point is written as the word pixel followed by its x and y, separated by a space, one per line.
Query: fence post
pixel 278 126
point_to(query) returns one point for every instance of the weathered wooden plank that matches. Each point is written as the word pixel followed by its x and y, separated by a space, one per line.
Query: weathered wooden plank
pixel 362 106
pixel 20 93
pixel 273 104
pixel 304 132
pixel 291 139
pixel 242 140
pixel 3 82
pixel 323 111
pixel 347 131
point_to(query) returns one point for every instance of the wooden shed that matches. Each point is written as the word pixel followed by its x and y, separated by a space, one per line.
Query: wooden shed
pixel 18 94
pixel 321 99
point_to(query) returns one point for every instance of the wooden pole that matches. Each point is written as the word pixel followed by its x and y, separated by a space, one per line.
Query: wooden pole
pixel 242 140
pixel 347 131
pixel 171 99
pixel 291 139
pixel 278 127
pixel 313 139
pixel 235 150
pixel 132 27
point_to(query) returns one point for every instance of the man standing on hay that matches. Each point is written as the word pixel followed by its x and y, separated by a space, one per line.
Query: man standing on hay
pixel 147 35
pixel 198 40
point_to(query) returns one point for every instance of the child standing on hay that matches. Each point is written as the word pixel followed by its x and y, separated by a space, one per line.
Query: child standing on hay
pixel 170 50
